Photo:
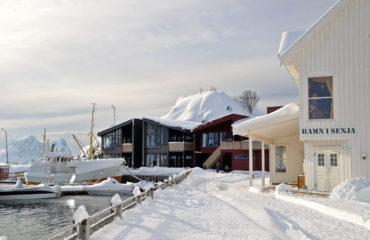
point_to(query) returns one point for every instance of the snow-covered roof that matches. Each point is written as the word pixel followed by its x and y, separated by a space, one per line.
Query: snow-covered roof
pixel 287 40
pixel 285 113
pixel 287 47
pixel 185 125
pixel 204 106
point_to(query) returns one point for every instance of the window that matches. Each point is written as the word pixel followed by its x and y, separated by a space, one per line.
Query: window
pixel 280 158
pixel 153 135
pixel 223 137
pixel 151 160
pixel 211 139
pixel 320 159
pixel 164 135
pixel 108 141
pixel 188 138
pixel 320 98
pixel 163 159
pixel 216 139
pixel 204 140
pixel 333 160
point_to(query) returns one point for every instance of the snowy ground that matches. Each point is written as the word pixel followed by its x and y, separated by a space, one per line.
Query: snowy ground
pixel 209 205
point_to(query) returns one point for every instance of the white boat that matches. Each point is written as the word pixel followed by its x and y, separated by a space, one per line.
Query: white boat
pixel 23 192
pixel 109 187
pixel 60 168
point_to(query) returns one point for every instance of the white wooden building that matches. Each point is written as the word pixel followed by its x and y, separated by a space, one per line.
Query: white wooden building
pixel 331 64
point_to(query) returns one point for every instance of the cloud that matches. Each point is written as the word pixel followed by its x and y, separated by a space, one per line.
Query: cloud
pixel 57 57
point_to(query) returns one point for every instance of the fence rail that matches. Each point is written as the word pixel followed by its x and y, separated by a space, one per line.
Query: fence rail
pixel 83 230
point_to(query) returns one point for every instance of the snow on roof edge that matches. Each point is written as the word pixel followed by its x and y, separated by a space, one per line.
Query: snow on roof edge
pixel 285 113
pixel 186 125
pixel 312 27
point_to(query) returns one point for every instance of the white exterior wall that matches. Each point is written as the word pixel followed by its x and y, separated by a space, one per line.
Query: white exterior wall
pixel 294 160
pixel 340 49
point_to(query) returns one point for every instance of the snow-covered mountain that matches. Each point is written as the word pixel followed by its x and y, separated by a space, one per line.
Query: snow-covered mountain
pixel 23 150
pixel 204 106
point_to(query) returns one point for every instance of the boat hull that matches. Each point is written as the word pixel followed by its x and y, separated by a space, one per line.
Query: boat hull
pixel 26 193
pixel 75 171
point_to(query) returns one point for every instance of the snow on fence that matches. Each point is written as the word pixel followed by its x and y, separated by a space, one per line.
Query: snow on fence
pixel 84 225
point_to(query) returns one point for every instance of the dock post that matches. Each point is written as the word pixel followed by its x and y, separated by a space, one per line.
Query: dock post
pixel 119 210
pixel 84 230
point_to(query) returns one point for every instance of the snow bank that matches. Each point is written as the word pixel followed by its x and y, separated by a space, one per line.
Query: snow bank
pixel 156 171
pixel 205 106
pixel 357 189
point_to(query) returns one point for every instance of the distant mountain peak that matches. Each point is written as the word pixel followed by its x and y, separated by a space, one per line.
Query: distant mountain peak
pixel 204 106
pixel 24 149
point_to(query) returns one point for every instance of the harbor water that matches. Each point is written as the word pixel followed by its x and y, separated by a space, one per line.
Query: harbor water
pixel 34 219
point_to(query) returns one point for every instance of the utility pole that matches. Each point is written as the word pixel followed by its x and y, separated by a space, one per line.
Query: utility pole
pixel 114 115
pixel 6 145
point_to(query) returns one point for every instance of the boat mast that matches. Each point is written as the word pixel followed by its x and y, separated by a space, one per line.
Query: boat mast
pixel 91 131
pixel 43 143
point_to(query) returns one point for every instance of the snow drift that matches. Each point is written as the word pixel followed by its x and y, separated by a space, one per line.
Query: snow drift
pixel 357 189
pixel 205 106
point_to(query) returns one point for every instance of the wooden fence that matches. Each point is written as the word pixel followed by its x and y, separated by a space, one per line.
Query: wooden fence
pixel 82 230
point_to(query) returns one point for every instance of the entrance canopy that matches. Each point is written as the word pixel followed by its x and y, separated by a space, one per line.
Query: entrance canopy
pixel 278 124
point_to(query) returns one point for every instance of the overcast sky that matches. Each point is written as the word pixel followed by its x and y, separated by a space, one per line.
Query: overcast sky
pixel 59 56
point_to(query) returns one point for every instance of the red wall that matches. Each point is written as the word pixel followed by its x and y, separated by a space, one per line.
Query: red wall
pixel 243 164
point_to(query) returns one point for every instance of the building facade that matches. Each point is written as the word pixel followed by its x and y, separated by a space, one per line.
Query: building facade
pixel 214 143
pixel 124 140
pixel 166 143
pixel 331 64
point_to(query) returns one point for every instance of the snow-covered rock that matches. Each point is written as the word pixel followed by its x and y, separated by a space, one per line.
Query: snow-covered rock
pixel 23 150
pixel 205 106
pixel 357 189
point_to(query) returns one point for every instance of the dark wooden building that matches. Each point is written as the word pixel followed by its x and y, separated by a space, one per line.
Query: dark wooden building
pixel 124 140
pixel 167 143
pixel 214 142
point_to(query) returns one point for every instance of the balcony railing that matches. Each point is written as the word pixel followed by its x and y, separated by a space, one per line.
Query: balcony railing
pixel 127 147
pixel 180 146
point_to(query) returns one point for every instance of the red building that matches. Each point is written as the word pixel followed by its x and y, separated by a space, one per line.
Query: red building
pixel 4 171
pixel 214 143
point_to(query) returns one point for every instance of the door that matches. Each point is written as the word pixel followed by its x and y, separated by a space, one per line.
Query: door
pixel 327 169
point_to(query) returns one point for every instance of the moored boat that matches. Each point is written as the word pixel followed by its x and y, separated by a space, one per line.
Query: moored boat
pixel 23 192
pixel 61 168
pixel 109 187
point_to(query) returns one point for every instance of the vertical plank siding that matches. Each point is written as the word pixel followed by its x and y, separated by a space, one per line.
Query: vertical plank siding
pixel 340 49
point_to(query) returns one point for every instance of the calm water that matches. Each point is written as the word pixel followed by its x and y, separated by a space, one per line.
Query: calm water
pixel 33 219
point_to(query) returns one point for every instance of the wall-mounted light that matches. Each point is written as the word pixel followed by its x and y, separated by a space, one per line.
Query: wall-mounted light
pixel 363 156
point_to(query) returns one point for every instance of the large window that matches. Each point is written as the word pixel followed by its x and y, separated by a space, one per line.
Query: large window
pixel 320 98
pixel 155 135
pixel 280 158
pixel 210 139
pixel 108 141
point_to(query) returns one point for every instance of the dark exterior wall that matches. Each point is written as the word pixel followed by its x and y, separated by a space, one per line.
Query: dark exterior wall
pixel 164 148
pixel 137 133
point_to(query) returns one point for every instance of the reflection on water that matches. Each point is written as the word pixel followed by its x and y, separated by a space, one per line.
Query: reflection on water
pixel 33 219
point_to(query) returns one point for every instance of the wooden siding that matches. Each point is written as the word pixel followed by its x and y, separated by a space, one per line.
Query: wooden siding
pixel 180 146
pixel 340 49
pixel 127 147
